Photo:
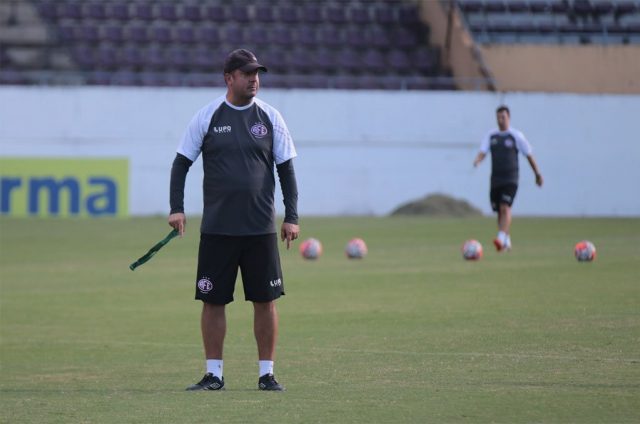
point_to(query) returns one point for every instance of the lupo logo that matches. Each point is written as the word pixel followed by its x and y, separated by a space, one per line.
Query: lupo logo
pixel 63 187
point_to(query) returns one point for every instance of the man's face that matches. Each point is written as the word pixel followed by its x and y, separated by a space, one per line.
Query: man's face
pixel 503 120
pixel 243 86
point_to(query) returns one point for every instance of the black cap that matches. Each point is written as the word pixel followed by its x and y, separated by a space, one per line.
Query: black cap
pixel 242 59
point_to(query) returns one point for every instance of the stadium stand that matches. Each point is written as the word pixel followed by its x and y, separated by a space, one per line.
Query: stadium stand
pixel 356 44
pixel 553 21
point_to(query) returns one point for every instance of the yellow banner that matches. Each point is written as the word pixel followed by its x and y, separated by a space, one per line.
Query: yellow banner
pixel 64 187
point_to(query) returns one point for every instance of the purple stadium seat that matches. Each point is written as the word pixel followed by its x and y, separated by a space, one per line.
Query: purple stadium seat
pixel 336 15
pixel 258 35
pixel 95 10
pixel 311 14
pixel 113 33
pixel 275 59
pixel 233 35
pixel 67 33
pixel 404 39
pixel 539 6
pixel 84 57
pixel 191 12
pixel 87 34
pixel 356 38
pixel 161 34
pixel 208 34
pixel 281 36
pixel 132 57
pixel 155 59
pixel 408 14
pixel 203 62
pixel 289 14
pixel 138 33
pixel 125 78
pixel 398 61
pixel 239 13
pixel 373 61
pixel 558 7
pixel 623 7
pixel 99 78
pixel 167 12
pixel 306 35
pixel 345 82
pixel 384 14
pixel 425 61
pixel 185 34
pixel 494 6
pixel 517 6
pixel 178 58
pixel 360 15
pixel 118 11
pixel 69 11
pixel 324 60
pixel 300 61
pixel 330 36
pixel 215 13
pixel 144 11
pixel 469 6
pixel 264 13
pixel 379 38
pixel 349 61
pixel 418 83
pixel 48 10
pixel 107 58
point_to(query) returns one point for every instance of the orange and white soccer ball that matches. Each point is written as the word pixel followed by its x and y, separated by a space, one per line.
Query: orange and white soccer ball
pixel 584 251
pixel 472 250
pixel 356 249
pixel 311 248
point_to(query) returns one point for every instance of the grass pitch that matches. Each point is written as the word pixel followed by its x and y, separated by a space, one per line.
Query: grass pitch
pixel 410 334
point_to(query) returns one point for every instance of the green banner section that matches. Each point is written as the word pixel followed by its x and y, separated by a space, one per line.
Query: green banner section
pixel 52 187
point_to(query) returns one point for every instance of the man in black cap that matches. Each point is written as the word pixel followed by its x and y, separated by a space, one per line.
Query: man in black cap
pixel 240 138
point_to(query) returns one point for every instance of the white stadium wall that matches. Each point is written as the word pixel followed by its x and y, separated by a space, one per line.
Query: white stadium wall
pixel 359 152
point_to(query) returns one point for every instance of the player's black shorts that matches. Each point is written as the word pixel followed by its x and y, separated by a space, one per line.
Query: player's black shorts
pixel 504 193
pixel 220 257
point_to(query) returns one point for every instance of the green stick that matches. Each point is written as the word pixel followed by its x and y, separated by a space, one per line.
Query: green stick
pixel 153 250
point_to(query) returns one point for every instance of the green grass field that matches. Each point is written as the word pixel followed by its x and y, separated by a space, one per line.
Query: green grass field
pixel 410 334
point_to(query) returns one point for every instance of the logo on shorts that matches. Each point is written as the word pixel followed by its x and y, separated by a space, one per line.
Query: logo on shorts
pixel 259 130
pixel 276 283
pixel 205 285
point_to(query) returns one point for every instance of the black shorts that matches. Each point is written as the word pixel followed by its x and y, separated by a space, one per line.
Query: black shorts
pixel 220 257
pixel 502 194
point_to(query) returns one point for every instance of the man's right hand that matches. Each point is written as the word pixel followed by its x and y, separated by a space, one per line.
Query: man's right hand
pixel 178 221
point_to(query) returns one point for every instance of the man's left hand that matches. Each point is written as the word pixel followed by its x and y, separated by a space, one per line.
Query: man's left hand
pixel 289 232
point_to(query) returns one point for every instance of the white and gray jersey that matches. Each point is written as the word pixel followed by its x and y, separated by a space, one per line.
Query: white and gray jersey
pixel 239 147
pixel 504 147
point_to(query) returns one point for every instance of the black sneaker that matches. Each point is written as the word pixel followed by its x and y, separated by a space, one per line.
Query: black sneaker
pixel 208 382
pixel 268 382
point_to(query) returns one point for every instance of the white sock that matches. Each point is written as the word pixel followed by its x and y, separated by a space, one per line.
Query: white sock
pixel 214 366
pixel 502 237
pixel 266 367
pixel 507 241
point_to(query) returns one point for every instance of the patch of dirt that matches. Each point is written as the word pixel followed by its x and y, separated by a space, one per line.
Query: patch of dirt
pixel 438 205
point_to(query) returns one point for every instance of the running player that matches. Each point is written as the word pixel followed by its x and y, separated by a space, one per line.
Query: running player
pixel 504 144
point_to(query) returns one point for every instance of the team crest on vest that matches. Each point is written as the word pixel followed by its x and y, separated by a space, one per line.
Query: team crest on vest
pixel 508 143
pixel 259 130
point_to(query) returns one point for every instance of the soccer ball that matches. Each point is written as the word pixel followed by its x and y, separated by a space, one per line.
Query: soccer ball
pixel 584 251
pixel 311 248
pixel 356 249
pixel 472 250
